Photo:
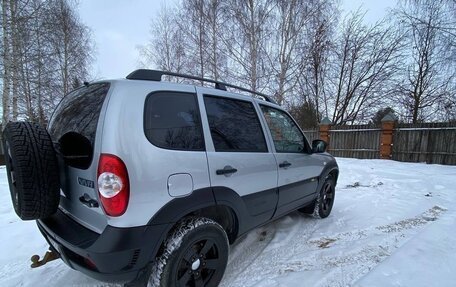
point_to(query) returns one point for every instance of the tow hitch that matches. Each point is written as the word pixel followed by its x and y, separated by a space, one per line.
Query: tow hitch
pixel 48 257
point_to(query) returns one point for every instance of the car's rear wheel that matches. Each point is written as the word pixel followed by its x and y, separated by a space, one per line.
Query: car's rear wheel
pixel 32 170
pixel 321 207
pixel 195 254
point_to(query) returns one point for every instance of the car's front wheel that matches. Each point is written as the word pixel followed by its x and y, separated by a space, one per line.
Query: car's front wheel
pixel 322 206
pixel 195 254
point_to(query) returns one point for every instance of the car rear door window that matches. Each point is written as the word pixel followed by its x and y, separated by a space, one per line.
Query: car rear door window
pixel 73 125
pixel 78 112
pixel 234 125
pixel 172 121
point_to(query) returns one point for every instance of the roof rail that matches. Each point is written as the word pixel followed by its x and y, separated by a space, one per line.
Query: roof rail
pixel 156 75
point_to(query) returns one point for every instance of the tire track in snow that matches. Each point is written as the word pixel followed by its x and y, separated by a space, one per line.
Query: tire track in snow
pixel 261 240
pixel 342 258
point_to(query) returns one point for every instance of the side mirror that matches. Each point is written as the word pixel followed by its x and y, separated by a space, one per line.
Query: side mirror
pixel 319 146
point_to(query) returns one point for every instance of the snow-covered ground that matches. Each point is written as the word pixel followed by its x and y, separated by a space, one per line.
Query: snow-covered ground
pixel 393 224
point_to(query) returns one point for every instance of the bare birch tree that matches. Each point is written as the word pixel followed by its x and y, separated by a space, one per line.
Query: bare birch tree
pixel 6 61
pixel 313 77
pixel 365 61
pixel 290 19
pixel 245 37
pixel 217 52
pixel 428 83
pixel 166 49
pixel 193 22
pixel 45 48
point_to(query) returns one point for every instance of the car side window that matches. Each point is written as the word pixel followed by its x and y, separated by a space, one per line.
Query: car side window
pixel 234 125
pixel 172 121
pixel 285 133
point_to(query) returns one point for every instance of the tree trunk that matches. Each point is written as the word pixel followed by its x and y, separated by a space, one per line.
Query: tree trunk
pixel 15 55
pixel 6 63
pixel 253 47
pixel 416 107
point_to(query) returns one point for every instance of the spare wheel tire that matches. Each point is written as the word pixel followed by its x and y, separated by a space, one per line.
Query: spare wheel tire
pixel 32 170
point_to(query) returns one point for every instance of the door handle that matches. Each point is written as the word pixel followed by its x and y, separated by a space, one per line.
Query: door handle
pixel 90 202
pixel 284 164
pixel 226 170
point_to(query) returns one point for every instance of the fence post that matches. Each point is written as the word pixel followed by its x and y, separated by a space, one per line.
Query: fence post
pixel 324 128
pixel 386 139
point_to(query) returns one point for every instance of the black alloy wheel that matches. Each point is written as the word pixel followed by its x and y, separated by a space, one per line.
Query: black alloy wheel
pixel 199 263
pixel 195 254
pixel 327 197
pixel 325 201
pixel 321 207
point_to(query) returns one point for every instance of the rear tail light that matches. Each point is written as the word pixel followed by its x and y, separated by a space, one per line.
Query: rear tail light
pixel 113 184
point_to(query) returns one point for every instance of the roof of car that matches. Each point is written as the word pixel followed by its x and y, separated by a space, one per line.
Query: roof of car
pixel 156 76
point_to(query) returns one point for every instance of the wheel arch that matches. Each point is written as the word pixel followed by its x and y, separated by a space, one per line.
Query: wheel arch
pixel 223 215
pixel 330 169
pixel 334 173
pixel 201 203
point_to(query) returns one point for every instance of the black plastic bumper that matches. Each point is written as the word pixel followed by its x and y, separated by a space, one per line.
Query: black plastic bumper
pixel 116 255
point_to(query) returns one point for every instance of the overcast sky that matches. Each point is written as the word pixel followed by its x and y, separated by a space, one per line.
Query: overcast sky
pixel 120 26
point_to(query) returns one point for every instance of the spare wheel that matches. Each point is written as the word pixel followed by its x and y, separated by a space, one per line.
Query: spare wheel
pixel 32 170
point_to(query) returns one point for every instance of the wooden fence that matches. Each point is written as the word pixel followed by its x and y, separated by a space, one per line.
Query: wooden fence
pixel 426 142
pixel 423 142
pixel 355 141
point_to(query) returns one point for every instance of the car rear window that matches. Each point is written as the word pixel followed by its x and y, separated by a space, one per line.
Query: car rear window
pixel 74 123
pixel 79 112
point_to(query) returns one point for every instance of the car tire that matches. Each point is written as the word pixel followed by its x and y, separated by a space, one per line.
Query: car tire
pixel 321 207
pixel 195 254
pixel 32 170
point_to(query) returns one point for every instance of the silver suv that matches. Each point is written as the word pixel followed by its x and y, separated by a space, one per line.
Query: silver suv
pixel 139 180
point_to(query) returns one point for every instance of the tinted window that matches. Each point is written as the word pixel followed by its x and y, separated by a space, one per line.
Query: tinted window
pixel 234 125
pixel 285 133
pixel 74 123
pixel 78 112
pixel 172 121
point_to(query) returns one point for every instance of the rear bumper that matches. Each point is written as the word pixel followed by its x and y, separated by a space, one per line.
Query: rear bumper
pixel 116 255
